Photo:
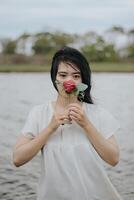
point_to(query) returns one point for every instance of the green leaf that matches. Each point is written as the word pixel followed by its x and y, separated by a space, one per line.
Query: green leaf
pixel 82 87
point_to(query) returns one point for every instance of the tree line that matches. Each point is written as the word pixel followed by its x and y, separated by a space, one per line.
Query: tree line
pixel 115 44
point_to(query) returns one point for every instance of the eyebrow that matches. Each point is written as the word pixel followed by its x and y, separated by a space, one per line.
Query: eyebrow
pixel 67 72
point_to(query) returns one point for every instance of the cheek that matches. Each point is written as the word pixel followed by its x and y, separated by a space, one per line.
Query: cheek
pixel 59 87
pixel 59 78
pixel 78 81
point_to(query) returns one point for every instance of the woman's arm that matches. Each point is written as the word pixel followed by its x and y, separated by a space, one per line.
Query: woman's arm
pixel 25 148
pixel 106 148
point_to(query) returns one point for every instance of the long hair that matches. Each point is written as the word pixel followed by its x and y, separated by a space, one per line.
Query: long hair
pixel 74 57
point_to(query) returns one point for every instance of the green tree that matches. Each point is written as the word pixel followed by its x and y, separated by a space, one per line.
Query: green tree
pixel 42 46
pixel 131 36
pixel 100 51
pixel 9 47
pixel 110 53
pixel 117 29
pixel 46 43
pixel 130 51
pixel 22 42
pixel 61 39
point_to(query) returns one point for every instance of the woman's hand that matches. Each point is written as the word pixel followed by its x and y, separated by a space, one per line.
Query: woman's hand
pixel 77 113
pixel 57 120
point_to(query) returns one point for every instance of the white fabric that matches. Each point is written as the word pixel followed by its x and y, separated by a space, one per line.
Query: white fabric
pixel 71 168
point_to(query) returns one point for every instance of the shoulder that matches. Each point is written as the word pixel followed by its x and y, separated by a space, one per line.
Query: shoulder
pixel 92 108
pixel 38 109
pixel 96 108
pixel 104 120
pixel 99 112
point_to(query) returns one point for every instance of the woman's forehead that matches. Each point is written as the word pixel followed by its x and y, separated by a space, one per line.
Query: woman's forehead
pixel 68 66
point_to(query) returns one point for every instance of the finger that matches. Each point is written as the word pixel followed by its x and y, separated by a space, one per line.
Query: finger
pixel 74 115
pixel 79 108
pixel 65 121
pixel 64 118
pixel 75 110
pixel 75 105
pixel 75 119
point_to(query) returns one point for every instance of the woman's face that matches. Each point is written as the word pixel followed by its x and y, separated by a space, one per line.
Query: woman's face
pixel 67 71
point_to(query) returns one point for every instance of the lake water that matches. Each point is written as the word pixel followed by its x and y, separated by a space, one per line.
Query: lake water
pixel 19 92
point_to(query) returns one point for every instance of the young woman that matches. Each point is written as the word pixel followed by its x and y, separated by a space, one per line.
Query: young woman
pixel 73 134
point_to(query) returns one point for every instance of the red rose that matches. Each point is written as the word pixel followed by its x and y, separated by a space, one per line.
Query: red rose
pixel 69 86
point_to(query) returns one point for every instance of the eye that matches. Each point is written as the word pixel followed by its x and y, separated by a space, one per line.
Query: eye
pixel 76 76
pixel 62 75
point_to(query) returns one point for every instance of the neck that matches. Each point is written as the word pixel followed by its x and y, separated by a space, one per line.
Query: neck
pixel 65 101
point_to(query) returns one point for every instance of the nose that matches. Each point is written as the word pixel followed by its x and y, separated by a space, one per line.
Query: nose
pixel 69 77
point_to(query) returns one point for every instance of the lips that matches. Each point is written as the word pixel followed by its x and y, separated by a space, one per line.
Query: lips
pixel 69 86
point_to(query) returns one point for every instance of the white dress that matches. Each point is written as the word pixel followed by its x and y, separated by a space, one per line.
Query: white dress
pixel 70 167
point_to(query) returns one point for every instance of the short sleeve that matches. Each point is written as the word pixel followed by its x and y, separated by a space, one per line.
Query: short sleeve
pixel 108 123
pixel 30 128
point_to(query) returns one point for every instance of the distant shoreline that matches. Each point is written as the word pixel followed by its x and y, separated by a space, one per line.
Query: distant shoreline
pixel 121 67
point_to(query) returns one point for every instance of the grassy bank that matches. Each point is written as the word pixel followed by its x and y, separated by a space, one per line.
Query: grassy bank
pixel 24 68
pixel 112 67
pixel 95 67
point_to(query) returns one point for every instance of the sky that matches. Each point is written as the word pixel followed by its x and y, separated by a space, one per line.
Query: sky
pixel 71 16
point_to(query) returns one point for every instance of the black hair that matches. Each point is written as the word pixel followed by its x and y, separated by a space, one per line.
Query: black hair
pixel 73 56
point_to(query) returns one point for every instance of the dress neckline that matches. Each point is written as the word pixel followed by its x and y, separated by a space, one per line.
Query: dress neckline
pixel 51 104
